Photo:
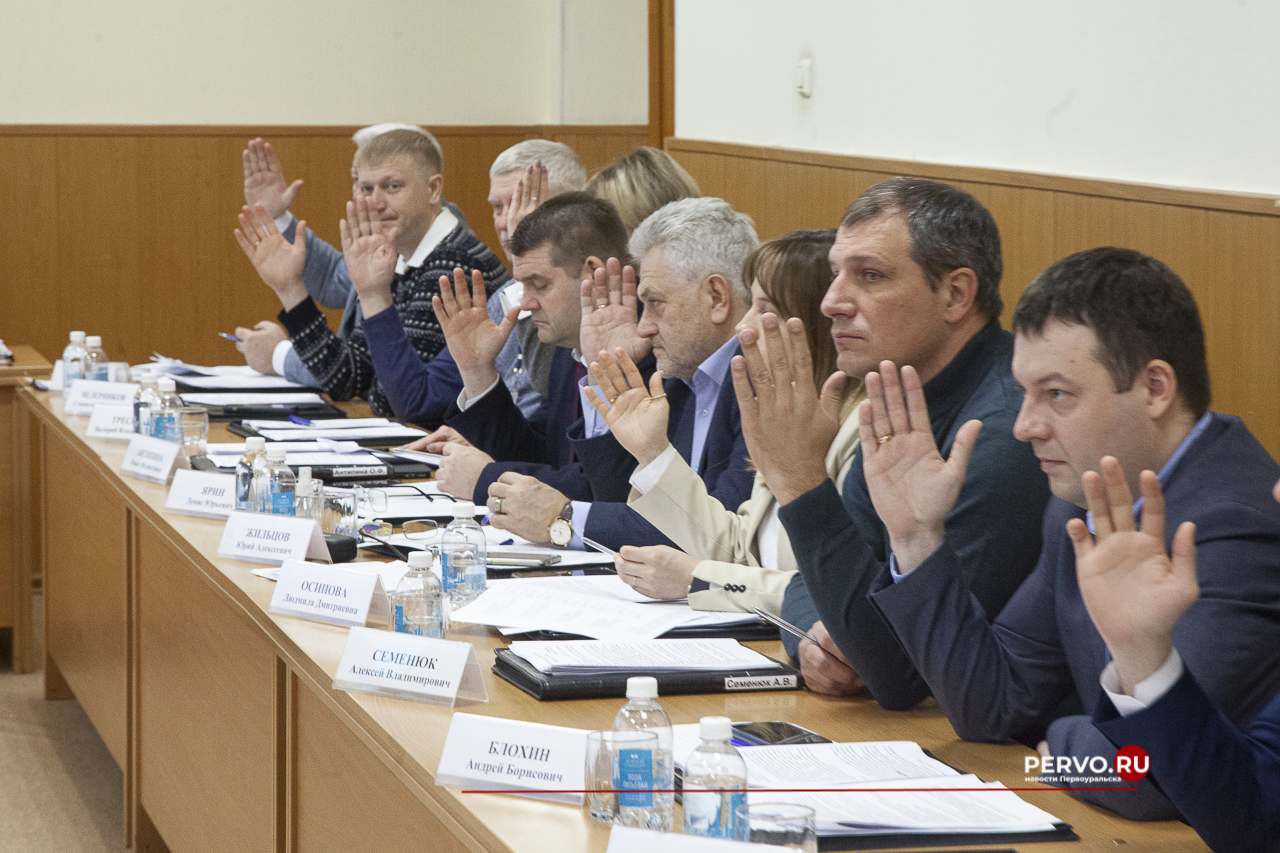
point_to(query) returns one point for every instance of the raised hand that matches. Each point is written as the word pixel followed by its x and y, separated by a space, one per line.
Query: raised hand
pixel 1133 590
pixel 264 181
pixel 788 427
pixel 278 262
pixel 636 416
pixel 369 249
pixel 610 315
pixel 531 191
pixel 658 571
pixel 911 485
pixel 474 340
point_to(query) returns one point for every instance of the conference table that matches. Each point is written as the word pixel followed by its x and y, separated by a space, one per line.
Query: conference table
pixel 231 737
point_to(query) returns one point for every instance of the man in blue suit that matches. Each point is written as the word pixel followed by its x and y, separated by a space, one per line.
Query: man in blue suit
pixel 1110 351
pixel 1225 781
pixel 570 483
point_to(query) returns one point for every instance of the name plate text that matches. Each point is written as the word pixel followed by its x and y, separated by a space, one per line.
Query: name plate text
pixel 202 493
pixel 84 394
pixel 408 666
pixel 152 459
pixel 329 594
pixel 492 754
pixel 111 421
pixel 261 538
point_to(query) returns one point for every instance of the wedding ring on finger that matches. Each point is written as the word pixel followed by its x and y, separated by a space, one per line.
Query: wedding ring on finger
pixel 882 439
pixel 496 506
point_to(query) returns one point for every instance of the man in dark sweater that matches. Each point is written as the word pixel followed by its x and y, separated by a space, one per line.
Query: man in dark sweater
pixel 397 241
pixel 917 274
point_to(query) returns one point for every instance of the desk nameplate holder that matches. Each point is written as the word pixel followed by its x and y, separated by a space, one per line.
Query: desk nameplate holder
pixel 407 666
pixel 202 493
pixel 111 421
pixel 84 394
pixel 329 594
pixel 259 537
pixel 153 459
pixel 490 753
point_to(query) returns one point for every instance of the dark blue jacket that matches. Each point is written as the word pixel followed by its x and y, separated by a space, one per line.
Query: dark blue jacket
pixel 1226 782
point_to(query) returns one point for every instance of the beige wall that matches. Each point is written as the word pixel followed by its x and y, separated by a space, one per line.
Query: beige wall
pixel 248 62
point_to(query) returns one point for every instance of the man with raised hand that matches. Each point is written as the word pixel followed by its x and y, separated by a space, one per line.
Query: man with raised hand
pixel 917 268
pixel 1225 781
pixel 397 242
pixel 1110 352
pixel 266 346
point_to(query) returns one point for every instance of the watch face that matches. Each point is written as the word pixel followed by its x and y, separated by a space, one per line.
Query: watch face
pixel 560 532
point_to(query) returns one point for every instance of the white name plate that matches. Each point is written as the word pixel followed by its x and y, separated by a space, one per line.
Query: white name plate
pixel 329 594
pixel 628 839
pixel 262 538
pixel 152 459
pixel 493 754
pixel 84 394
pixel 111 421
pixel 407 666
pixel 202 493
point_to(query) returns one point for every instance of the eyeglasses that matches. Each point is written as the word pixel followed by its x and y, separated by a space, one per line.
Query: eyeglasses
pixel 376 500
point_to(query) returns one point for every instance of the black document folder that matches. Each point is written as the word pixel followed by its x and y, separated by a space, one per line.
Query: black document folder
pixel 540 685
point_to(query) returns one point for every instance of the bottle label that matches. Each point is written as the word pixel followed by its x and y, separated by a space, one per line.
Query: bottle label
pixel 98 372
pixel 712 814
pixel 633 778
pixel 165 427
pixel 282 503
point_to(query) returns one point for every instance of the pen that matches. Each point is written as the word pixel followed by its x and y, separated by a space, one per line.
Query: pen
pixel 229 337
pixel 591 543
pixel 790 629
pixel 301 421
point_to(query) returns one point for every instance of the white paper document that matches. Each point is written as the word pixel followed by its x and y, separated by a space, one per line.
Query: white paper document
pixel 390 433
pixel 575 605
pixel 591 657
pixel 836 765
pixel 245 382
pixel 321 423
pixel 859 811
pixel 249 398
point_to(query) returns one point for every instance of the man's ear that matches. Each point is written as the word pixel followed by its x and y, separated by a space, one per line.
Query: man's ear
pixel 437 188
pixel 961 289
pixel 1160 385
pixel 589 267
pixel 719 293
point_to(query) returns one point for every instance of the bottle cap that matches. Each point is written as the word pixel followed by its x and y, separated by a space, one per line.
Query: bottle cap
pixel 77 337
pixel 275 453
pixel 464 509
pixel 420 559
pixel 303 487
pixel 642 687
pixel 166 384
pixel 149 378
pixel 93 341
pixel 256 442
pixel 715 728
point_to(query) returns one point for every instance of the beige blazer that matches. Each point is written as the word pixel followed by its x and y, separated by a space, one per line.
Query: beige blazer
pixel 724 541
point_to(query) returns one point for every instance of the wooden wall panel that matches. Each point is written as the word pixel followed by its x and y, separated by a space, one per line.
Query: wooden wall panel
pixel 126 231
pixel 1225 246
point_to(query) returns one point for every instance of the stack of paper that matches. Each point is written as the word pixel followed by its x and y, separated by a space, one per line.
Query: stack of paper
pixel 877 788
pixel 314 453
pixel 595 657
pixel 601 607
pixel 251 398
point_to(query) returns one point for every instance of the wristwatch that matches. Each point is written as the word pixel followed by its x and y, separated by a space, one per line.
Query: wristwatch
pixel 561 530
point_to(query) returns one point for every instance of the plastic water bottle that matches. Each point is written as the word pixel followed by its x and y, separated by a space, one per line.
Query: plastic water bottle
pixel 714 764
pixel 643 713
pixel 247 469
pixel 308 496
pixel 463 557
pixel 275 484
pixel 167 422
pixel 417 605
pixel 145 402
pixel 73 360
pixel 96 363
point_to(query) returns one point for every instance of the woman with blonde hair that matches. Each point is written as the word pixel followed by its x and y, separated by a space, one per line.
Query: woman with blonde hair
pixel 730 560
pixel 640 183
